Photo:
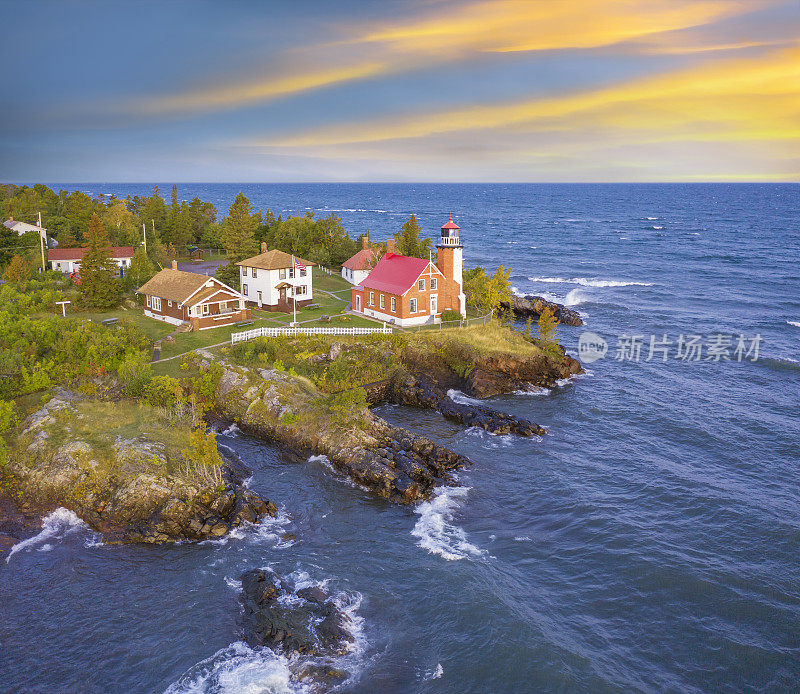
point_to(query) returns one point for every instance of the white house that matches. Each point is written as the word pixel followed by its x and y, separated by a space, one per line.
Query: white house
pixel 23 227
pixel 356 268
pixel 276 281
pixel 68 260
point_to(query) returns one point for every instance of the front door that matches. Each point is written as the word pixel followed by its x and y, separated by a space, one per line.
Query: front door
pixel 433 304
pixel 358 303
pixel 259 299
pixel 283 293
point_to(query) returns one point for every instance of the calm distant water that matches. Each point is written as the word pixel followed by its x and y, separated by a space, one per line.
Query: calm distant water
pixel 649 542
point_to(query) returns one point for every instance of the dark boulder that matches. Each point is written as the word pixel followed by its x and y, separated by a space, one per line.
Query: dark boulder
pixel 531 306
pixel 303 621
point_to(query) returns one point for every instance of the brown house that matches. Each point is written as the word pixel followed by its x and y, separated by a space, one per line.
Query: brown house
pixel 186 298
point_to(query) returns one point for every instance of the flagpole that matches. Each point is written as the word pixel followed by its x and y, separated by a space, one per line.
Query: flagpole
pixel 294 296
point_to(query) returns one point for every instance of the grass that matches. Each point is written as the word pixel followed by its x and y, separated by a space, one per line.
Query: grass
pixel 153 329
pixel 331 283
pixel 480 340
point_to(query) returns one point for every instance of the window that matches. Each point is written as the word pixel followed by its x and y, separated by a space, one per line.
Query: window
pixel 291 273
pixel 282 274
pixel 244 289
pixel 433 283
pixel 148 300
pixel 394 305
pixel 255 273
pixel 413 305
pixel 169 303
pixel 205 309
pixel 300 289
pixel 302 273
pixel 372 298
pixel 156 303
pixel 421 285
pixel 383 301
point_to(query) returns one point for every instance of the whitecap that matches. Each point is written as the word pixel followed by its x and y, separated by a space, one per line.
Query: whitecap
pixel 552 280
pixel 575 297
pixel 267 530
pixel 461 398
pixel 325 462
pixel 233 583
pixel 657 227
pixel 435 529
pixel 652 218
pixel 55 526
pixel 795 323
pixel 491 439
pixel 522 538
pixel 590 282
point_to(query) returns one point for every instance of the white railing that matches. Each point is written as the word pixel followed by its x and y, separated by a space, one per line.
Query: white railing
pixel 276 332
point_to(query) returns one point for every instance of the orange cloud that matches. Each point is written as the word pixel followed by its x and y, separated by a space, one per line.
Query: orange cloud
pixel 498 26
pixel 762 94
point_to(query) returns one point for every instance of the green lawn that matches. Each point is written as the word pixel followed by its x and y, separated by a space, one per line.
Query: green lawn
pixel 154 329
pixel 330 283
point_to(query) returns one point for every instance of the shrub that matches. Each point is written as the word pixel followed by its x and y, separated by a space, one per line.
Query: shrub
pixel 449 315
pixel 162 390
pixel 135 373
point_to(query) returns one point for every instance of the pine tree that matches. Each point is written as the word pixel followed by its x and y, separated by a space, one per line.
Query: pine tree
pixel 408 242
pixel 548 329
pixel 238 234
pixel 99 286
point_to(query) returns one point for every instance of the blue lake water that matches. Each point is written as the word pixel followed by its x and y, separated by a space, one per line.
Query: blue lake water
pixel 648 542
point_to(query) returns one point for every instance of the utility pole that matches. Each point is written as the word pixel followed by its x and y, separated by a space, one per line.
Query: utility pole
pixel 144 236
pixel 41 242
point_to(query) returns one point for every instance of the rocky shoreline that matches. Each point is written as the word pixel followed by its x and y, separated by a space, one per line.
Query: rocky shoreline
pixel 532 306
pixel 123 489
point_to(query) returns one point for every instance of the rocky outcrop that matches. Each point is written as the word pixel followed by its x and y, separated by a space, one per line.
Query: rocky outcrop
pixel 531 306
pixel 280 616
pixel 389 461
pixel 418 391
pixel 131 490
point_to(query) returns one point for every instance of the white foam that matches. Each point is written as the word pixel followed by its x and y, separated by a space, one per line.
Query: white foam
pixel 233 583
pixel 652 218
pixel 239 669
pixel 55 526
pixel 267 530
pixel 575 297
pixel 591 282
pixel 435 529
pixel 232 431
pixel 657 227
pixel 491 439
pixel 522 538
pixel 795 323
pixel 325 462
pixel 461 398
pixel 533 390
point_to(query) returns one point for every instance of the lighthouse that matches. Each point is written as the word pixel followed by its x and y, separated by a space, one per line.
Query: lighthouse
pixel 450 260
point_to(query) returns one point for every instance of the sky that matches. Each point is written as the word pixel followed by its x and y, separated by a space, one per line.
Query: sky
pixel 400 90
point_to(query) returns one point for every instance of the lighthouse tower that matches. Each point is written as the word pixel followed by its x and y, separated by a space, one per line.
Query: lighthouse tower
pixel 450 260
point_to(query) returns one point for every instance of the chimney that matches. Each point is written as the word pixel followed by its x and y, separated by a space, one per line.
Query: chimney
pixel 364 242
pixel 263 246
pixel 389 246
pixel 174 264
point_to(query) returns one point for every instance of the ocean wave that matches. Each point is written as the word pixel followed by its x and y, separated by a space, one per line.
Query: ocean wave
pixel 533 390
pixel 795 323
pixel 55 526
pixel 232 431
pixel 656 227
pixel 268 530
pixel 652 218
pixel 435 530
pixel 591 282
pixel 491 439
pixel 326 463
pixel 461 398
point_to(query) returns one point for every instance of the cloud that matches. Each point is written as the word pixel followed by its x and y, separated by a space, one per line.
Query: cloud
pixel 761 95
pixel 452 33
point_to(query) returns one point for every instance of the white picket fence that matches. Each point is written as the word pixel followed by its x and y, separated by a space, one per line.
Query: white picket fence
pixel 276 332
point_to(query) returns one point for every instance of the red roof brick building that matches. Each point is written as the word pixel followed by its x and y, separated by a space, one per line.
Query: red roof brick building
pixel 413 291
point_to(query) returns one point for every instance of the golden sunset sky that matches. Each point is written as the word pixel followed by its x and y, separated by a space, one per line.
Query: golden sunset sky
pixel 507 90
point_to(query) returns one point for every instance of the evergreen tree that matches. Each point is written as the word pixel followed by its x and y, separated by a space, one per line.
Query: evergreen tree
pixel 141 269
pixel 99 286
pixel 548 330
pixel 408 242
pixel 238 234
